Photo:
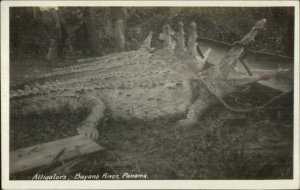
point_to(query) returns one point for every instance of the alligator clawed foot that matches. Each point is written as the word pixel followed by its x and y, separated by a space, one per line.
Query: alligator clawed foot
pixel 88 130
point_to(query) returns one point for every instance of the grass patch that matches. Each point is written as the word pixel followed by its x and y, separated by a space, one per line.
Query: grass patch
pixel 213 149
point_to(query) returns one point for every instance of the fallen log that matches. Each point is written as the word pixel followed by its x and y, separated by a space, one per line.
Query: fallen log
pixel 47 153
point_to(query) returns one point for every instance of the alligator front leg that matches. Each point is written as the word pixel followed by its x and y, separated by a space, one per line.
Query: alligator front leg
pixel 92 104
pixel 96 112
pixel 196 111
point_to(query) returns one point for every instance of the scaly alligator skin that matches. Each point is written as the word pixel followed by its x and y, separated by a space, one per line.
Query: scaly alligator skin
pixel 137 84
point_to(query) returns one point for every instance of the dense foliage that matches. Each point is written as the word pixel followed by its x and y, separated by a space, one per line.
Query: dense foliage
pixel 29 33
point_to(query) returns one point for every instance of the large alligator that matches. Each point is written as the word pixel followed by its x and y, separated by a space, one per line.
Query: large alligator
pixel 142 84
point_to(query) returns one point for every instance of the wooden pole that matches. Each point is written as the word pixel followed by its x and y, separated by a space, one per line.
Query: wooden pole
pixel 43 154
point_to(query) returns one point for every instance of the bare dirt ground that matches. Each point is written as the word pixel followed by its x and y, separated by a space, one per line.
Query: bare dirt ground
pixel 258 147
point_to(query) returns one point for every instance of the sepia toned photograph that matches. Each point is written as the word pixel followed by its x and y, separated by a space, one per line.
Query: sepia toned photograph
pixel 151 93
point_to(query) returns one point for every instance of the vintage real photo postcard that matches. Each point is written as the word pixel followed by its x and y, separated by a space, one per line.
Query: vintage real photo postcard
pixel 150 94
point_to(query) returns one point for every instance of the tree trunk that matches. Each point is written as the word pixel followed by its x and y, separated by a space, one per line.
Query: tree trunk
pixel 109 29
pixel 119 16
pixel 35 12
pixel 68 35
pixel 55 37
pixel 119 34
pixel 89 21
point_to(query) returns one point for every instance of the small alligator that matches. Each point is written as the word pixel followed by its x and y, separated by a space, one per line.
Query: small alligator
pixel 142 84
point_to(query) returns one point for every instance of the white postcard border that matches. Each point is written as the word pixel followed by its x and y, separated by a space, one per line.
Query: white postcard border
pixel 139 184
